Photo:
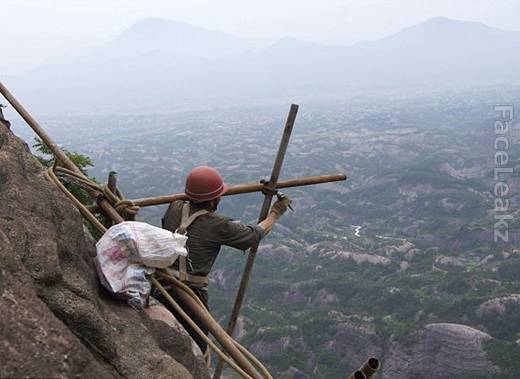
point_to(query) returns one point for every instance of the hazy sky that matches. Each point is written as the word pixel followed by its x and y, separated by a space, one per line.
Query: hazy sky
pixel 35 32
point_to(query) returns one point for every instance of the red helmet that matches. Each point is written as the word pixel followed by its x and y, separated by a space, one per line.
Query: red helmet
pixel 204 183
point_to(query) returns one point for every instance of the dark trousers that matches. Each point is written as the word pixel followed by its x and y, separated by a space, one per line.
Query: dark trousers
pixel 203 296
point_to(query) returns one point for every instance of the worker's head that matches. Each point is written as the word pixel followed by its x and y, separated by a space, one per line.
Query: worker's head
pixel 204 187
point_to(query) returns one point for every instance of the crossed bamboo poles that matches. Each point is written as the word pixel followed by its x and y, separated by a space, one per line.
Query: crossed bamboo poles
pixel 271 185
pixel 268 188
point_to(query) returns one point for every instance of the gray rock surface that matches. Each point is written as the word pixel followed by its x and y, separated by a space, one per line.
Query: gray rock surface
pixel 442 351
pixel 498 306
pixel 291 339
pixel 56 321
pixel 352 344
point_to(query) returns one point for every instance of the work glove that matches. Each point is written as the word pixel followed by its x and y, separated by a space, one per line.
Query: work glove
pixel 280 206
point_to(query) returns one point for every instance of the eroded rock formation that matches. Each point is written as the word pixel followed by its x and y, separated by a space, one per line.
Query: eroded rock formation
pixel 440 351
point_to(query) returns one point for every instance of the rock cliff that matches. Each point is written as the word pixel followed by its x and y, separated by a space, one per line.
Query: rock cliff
pixel 440 351
pixel 56 321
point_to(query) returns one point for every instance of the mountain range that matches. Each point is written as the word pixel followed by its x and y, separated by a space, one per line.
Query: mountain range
pixel 162 65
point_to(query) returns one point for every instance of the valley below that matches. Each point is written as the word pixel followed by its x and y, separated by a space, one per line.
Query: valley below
pixel 398 262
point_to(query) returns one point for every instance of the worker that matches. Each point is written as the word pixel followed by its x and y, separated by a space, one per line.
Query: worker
pixel 207 231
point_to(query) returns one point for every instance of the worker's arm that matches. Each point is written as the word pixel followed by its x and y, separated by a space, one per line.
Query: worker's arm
pixel 243 237
pixel 268 222
pixel 277 210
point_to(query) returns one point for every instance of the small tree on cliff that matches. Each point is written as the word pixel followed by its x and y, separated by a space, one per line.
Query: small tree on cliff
pixel 83 162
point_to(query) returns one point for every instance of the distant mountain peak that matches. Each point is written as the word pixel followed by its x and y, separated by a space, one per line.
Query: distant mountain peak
pixel 442 20
pixel 446 31
pixel 155 20
pixel 172 37
pixel 450 24
pixel 289 39
pixel 287 42
pixel 149 25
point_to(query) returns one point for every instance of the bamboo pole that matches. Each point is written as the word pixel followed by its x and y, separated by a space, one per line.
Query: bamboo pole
pixel 112 186
pixel 56 150
pixel 218 332
pixel 94 208
pixel 112 181
pixel 271 185
pixel 245 188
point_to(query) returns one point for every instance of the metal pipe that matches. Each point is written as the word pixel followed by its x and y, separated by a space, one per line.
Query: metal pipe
pixel 56 150
pixel 370 367
pixel 275 174
pixel 245 188
pixel 357 375
pixel 367 370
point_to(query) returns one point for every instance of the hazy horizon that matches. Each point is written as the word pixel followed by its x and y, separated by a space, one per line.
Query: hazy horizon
pixel 413 259
pixel 58 31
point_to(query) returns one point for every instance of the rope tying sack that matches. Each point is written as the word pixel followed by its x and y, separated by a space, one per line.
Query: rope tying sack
pixel 248 362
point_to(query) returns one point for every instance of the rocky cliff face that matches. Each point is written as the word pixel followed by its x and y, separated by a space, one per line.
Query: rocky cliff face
pixel 437 350
pixel 440 351
pixel 55 319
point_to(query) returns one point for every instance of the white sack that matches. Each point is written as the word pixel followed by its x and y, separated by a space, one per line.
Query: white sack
pixel 130 251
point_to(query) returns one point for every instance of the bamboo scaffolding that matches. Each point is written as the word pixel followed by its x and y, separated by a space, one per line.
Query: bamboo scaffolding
pixel 271 185
pixel 245 188
pixel 56 150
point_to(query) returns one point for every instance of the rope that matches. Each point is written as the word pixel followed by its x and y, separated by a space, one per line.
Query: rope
pixel 127 205
pixel 189 291
pixel 115 199
pixel 83 209
pixel 195 327
pixel 242 349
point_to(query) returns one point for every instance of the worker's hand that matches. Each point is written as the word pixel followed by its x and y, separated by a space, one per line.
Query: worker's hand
pixel 281 205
